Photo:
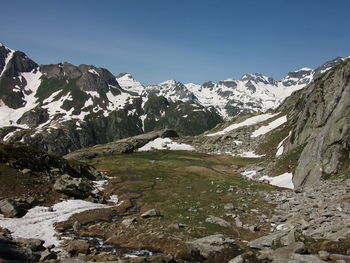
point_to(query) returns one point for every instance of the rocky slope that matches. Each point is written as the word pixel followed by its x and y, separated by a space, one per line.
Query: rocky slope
pixel 320 118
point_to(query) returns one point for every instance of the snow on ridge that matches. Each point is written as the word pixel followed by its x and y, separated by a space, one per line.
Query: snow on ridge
pixel 7 60
pixel 248 122
pixel 165 144
pixel 280 147
pixel 10 116
pixel 93 71
pixel 272 125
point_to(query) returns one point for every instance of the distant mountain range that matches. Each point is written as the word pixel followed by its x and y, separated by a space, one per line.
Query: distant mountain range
pixel 63 107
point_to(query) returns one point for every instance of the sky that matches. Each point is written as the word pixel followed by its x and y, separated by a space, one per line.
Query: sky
pixel 187 40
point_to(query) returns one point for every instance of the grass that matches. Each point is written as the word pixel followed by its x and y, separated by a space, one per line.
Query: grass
pixel 186 187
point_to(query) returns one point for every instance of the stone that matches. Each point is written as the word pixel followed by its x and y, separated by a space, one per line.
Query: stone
pixel 128 222
pixel 47 255
pixel 32 243
pixel 76 226
pixel 75 247
pixel 26 171
pixel 266 241
pixel 9 208
pixel 208 245
pixel 75 187
pixel 217 221
pixel 336 257
pixel 150 213
pixel 324 255
pixel 238 259
pixel 229 206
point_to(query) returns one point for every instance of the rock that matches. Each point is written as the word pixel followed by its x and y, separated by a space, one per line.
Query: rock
pixel 75 187
pixel 76 226
pixel 26 171
pixel 9 208
pixel 206 246
pixel 266 241
pixel 217 221
pixel 300 248
pixel 47 255
pixel 298 258
pixel 176 226
pixel 229 206
pixel 253 228
pixel 75 247
pixel 238 222
pixel 324 255
pixel 336 257
pixel 150 213
pixel 128 222
pixel 32 243
pixel 238 259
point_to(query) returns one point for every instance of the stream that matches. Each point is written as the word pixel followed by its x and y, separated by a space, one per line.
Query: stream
pixel 99 243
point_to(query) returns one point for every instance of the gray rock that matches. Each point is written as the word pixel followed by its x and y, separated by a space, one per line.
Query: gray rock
pixel 266 241
pixel 75 187
pixel 150 213
pixel 217 221
pixel 76 226
pixel 238 259
pixel 128 222
pixel 206 246
pixel 324 255
pixel 47 255
pixel 229 206
pixel 9 208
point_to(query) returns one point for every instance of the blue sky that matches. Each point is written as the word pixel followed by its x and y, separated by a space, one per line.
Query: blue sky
pixel 187 40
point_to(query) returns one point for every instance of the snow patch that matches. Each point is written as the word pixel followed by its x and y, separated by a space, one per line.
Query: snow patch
pixel 93 71
pixel 165 144
pixel 283 180
pixel 248 122
pixel 39 221
pixel 272 125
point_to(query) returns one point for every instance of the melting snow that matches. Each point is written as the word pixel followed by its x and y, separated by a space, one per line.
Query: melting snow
pixel 165 144
pixel 248 122
pixel 283 180
pixel 250 154
pixel 280 147
pixel 272 125
pixel 39 221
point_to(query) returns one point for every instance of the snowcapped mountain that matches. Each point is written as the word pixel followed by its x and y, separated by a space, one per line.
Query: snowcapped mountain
pixel 230 97
pixel 63 107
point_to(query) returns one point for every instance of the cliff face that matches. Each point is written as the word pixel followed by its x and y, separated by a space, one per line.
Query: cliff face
pixel 321 117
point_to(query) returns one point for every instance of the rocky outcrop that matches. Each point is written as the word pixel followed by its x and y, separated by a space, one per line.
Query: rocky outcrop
pixel 320 114
pixel 127 145
pixel 74 187
pixel 207 246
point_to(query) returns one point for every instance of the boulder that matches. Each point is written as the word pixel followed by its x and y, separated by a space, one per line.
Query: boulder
pixel 9 208
pixel 75 247
pixel 266 241
pixel 206 246
pixel 32 243
pixel 150 213
pixel 128 222
pixel 75 187
pixel 217 221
